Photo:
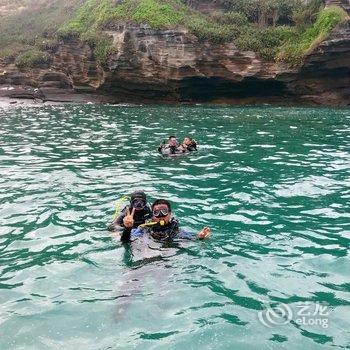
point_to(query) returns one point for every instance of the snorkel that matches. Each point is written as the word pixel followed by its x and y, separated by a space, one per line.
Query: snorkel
pixel 119 204
pixel 161 222
pixel 152 223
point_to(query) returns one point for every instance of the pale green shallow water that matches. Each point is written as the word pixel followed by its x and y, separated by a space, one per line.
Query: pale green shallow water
pixel 272 183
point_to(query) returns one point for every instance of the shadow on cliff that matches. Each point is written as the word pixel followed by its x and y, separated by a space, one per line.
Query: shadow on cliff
pixel 208 89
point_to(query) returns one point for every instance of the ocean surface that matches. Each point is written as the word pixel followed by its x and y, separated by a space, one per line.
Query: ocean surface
pixel 272 183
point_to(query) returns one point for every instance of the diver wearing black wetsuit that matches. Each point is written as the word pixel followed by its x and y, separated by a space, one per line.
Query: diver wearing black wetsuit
pixel 170 148
pixel 142 212
pixel 168 232
pixel 192 147
pixel 163 227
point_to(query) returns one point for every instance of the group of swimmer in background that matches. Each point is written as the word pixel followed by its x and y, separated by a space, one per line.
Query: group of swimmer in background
pixel 172 147
pixel 139 219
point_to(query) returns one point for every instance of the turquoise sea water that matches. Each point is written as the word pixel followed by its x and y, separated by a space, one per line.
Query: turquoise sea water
pixel 272 183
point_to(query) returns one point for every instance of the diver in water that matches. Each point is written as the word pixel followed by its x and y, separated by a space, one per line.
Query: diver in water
pixel 162 227
pixel 189 144
pixel 174 148
pixel 170 148
pixel 133 215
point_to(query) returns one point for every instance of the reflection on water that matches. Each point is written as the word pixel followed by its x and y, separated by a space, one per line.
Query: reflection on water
pixel 272 183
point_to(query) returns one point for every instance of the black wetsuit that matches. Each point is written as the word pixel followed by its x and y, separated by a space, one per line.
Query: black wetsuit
pixel 168 232
pixel 166 149
pixel 192 147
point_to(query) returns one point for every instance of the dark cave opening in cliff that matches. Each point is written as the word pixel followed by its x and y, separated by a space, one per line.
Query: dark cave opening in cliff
pixel 207 89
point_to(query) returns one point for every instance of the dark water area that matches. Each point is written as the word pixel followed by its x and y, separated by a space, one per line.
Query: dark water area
pixel 272 183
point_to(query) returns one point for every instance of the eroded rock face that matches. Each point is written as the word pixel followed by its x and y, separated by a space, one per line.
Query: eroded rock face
pixel 174 66
pixel 324 78
pixel 171 66
pixel 73 70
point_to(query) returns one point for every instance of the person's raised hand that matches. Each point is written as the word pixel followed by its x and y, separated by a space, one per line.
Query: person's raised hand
pixel 128 220
pixel 204 233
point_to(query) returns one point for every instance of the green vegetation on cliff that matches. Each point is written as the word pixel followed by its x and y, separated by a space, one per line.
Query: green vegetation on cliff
pixel 304 41
pixel 32 58
pixel 276 29
pixel 282 30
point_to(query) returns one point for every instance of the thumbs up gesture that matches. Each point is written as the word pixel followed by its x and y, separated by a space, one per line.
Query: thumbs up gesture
pixel 128 220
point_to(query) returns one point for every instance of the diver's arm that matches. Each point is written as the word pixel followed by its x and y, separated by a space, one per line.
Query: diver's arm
pixel 117 223
pixel 161 147
pixel 181 149
pixel 203 234
pixel 126 235
pixel 120 219
pixel 183 234
pixel 129 233
pixel 128 223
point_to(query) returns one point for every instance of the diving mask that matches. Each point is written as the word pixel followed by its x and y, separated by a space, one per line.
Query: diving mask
pixel 161 213
pixel 138 203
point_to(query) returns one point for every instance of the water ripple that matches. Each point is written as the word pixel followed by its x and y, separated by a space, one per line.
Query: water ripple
pixel 272 183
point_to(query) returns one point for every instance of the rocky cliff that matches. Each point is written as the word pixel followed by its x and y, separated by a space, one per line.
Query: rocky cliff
pixel 173 66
